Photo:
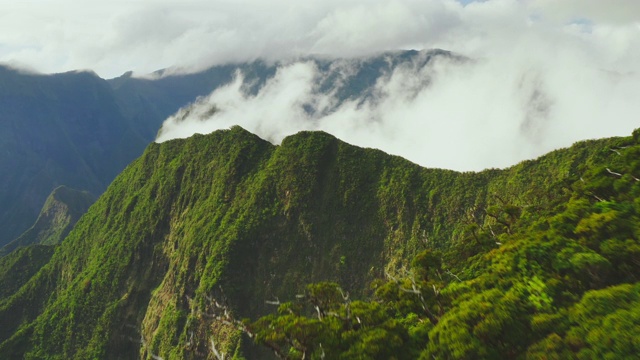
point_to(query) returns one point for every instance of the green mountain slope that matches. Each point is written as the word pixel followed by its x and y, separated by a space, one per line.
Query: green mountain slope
pixel 230 219
pixel 19 266
pixel 79 130
pixel 62 209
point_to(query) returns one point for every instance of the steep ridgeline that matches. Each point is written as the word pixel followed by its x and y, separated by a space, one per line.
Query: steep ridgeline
pixel 230 221
pixel 534 282
pixel 79 130
pixel 62 209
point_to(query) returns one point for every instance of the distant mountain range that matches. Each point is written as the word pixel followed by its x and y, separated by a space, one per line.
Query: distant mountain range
pixel 60 212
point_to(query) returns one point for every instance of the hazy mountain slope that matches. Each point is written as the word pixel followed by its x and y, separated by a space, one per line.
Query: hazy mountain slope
pixel 78 130
pixel 60 212
pixel 230 218
pixel 57 129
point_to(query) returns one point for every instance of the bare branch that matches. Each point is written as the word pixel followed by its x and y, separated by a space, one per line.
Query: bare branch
pixel 276 302
pixel 614 173
pixel 344 297
pixel 411 291
pixel 218 354
pixel 621 175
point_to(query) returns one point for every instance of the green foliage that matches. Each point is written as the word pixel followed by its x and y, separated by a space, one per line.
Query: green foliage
pixel 19 266
pixel 324 323
pixel 606 323
pixel 541 281
pixel 202 231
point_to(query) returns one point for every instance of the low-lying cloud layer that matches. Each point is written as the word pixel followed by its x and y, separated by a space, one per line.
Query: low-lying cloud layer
pixel 464 115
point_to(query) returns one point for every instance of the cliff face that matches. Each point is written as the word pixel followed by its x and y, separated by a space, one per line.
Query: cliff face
pixel 230 218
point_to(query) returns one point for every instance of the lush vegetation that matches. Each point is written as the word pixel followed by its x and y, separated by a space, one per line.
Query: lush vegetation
pixel 199 232
pixel 553 282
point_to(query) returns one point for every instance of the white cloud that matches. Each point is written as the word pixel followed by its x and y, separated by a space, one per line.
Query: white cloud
pixel 276 111
pixel 547 72
pixel 463 116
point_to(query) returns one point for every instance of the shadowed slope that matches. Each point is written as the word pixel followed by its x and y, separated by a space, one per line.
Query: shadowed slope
pixel 59 214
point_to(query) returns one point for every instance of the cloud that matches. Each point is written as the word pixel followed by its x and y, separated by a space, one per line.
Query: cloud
pixel 145 35
pixel 276 111
pixel 545 72
pixel 463 115
pixel 610 12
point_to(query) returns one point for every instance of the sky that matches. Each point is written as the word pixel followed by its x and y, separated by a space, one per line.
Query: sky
pixel 546 73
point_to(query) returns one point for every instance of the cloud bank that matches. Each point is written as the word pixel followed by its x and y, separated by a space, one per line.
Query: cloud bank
pixel 545 73
pixel 145 35
pixel 463 115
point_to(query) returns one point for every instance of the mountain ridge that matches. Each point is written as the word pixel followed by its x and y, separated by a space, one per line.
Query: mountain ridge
pixel 230 217
pixel 63 129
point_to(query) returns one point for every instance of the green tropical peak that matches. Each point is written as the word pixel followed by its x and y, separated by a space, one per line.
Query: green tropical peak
pixel 199 233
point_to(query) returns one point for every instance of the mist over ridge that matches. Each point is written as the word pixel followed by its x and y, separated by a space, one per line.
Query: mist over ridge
pixel 433 107
pixel 284 232
pixel 543 73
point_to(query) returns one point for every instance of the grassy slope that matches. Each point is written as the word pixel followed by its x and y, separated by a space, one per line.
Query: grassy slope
pixel 230 217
